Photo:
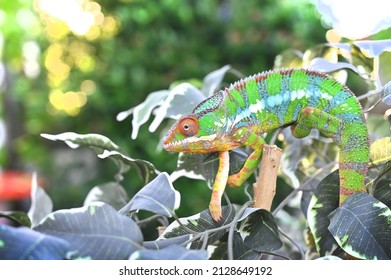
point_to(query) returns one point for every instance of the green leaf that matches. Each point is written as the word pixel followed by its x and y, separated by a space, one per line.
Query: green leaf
pixel 159 197
pixel 260 232
pixel 201 223
pixel 95 231
pixel 19 217
pixel 362 227
pixel 25 244
pixel 95 141
pixel 41 204
pixel 110 193
pixel 173 252
pixel 324 200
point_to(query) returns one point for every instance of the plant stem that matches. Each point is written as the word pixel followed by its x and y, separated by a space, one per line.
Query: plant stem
pixel 265 186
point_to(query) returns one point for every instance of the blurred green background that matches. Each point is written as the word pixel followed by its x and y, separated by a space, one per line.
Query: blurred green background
pixel 68 65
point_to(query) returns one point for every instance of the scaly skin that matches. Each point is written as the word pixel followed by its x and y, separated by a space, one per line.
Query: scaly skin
pixel 261 103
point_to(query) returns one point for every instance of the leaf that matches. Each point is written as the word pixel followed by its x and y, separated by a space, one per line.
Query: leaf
pixel 381 150
pixel 110 193
pixel 324 200
pixel 173 252
pixel 323 65
pixel 289 58
pixel 25 244
pixel 181 100
pixel 41 204
pixel 213 80
pixel 378 126
pixel 204 166
pixel 260 232
pixel 163 243
pixel 294 152
pixel 142 112
pixel 374 48
pixel 19 217
pixel 159 197
pixel 383 191
pixel 201 222
pixel 362 227
pixel 95 231
pixel 96 141
pixel 145 169
pixel 240 250
pixel 387 93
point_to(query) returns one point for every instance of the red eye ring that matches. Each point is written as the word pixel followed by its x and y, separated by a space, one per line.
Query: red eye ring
pixel 188 126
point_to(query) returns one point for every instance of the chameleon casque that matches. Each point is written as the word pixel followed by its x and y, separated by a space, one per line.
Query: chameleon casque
pixel 238 115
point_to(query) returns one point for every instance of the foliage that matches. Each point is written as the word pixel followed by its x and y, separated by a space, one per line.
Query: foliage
pixel 136 47
pixel 360 228
pixel 113 223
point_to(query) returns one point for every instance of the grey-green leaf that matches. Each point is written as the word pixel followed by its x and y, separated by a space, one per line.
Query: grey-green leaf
pixel 213 80
pixel 362 227
pixel 145 169
pixel 201 223
pixel 323 202
pixel 19 217
pixel 181 100
pixel 158 196
pixel 110 193
pixel 97 231
pixel 260 232
pixel 74 140
pixel 387 93
pixel 142 112
pixel 41 204
pixel 173 252
pixel 25 244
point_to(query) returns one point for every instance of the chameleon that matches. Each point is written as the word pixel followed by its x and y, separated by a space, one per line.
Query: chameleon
pixel 240 114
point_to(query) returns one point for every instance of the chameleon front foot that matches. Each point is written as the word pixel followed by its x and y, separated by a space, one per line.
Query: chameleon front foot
pixel 215 210
pixel 219 186
pixel 235 181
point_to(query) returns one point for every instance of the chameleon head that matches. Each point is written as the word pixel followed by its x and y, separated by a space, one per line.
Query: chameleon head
pixel 187 135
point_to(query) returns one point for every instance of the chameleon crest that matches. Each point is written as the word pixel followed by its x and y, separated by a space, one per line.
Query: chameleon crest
pixel 263 102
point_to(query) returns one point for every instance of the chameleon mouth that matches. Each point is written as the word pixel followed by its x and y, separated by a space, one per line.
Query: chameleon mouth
pixel 168 145
pixel 188 144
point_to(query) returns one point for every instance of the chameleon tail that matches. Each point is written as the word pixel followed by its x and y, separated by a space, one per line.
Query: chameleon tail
pixel 353 158
pixel 351 135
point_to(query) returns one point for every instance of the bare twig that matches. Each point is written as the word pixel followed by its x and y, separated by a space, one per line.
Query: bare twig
pixel 265 186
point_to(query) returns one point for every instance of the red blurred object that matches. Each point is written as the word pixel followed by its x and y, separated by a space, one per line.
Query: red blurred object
pixel 15 185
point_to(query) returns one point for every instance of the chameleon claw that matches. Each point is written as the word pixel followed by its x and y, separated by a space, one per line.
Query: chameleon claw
pixel 232 181
pixel 215 212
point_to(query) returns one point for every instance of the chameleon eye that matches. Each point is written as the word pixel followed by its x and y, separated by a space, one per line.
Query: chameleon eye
pixel 188 126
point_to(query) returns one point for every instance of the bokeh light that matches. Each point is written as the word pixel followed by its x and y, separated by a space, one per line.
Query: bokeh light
pixel 62 18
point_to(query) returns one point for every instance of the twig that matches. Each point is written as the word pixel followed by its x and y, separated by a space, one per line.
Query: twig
pixel 301 251
pixel 232 229
pixel 265 186
pixel 302 187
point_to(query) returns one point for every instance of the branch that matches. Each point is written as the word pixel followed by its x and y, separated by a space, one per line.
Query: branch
pixel 265 186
